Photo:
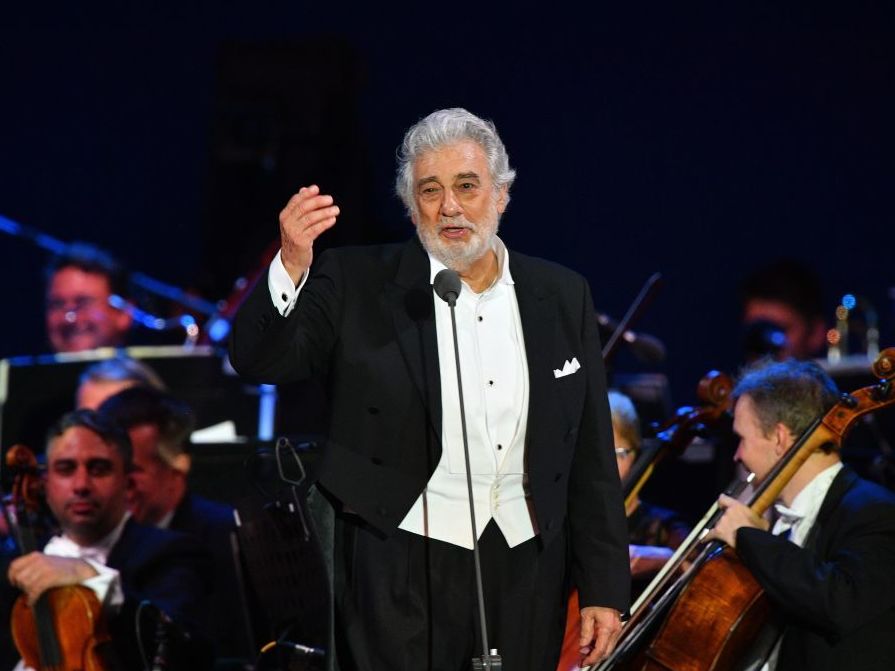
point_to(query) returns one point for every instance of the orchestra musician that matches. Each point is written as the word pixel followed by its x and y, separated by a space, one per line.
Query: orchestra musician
pixel 100 547
pixel 367 320
pixel 654 532
pixel 783 312
pixel 78 315
pixel 159 427
pixel 109 376
pixel 826 562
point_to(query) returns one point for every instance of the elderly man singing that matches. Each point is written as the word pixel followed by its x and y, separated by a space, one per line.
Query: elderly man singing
pixel 547 499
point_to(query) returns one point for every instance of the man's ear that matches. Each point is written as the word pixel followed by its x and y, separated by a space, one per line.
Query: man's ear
pixel 182 463
pixel 502 199
pixel 783 439
pixel 123 320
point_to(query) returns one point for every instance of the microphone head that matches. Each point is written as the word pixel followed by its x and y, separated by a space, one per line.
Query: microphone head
pixel 646 348
pixel 447 285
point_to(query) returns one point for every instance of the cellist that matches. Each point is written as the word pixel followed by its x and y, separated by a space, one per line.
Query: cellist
pixel 827 560
pixel 101 548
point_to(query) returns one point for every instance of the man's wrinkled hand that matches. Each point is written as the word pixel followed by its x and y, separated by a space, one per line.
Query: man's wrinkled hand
pixel 600 629
pixel 307 214
pixel 736 515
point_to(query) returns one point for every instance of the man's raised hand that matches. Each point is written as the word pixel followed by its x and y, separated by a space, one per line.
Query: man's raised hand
pixel 307 214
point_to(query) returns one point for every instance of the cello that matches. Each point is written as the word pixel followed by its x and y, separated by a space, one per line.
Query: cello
pixel 63 630
pixel 671 438
pixel 716 608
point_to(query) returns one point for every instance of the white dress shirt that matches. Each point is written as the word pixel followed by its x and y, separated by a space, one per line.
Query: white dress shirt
pixel 106 584
pixel 798 520
pixel 494 372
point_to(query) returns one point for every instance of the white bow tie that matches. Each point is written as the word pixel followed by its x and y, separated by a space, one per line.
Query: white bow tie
pixel 786 515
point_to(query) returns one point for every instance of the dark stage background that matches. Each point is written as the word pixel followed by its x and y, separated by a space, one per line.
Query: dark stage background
pixel 695 142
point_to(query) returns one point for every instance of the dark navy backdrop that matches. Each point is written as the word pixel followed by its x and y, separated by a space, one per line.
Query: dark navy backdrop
pixel 695 142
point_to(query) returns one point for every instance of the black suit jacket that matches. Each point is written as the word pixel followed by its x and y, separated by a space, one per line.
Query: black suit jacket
pixel 837 594
pixel 213 523
pixel 172 571
pixel 365 322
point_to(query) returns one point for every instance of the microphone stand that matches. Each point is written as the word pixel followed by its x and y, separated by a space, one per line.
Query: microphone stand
pixel 643 298
pixel 155 323
pixel 490 659
pixel 154 286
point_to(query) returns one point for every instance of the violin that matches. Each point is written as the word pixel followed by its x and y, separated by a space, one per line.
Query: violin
pixel 675 435
pixel 64 629
pixel 716 608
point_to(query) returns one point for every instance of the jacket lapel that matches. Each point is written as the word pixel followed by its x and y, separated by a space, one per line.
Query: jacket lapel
pixel 122 548
pixel 537 311
pixel 843 481
pixel 409 299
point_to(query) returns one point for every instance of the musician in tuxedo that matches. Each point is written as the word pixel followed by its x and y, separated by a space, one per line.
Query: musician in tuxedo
pixel 80 281
pixel 107 377
pixel 136 572
pixel 654 532
pixel 826 561
pixel 540 437
pixel 159 426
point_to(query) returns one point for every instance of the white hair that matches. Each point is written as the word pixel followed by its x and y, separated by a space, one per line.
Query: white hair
pixel 446 127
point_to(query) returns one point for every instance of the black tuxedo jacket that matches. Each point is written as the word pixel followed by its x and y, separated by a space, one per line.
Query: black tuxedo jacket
pixel 365 321
pixel 212 524
pixel 837 594
pixel 172 571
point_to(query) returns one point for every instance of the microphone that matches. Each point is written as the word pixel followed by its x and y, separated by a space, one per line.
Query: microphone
pixel 447 286
pixel 646 348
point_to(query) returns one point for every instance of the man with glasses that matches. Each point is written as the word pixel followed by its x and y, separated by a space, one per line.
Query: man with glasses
pixel 80 282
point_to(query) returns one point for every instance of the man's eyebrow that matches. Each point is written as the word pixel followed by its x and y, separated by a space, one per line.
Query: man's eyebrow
pixel 426 180
pixel 98 460
pixel 468 175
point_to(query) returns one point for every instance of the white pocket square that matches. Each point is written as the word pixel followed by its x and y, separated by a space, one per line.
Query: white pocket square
pixel 568 368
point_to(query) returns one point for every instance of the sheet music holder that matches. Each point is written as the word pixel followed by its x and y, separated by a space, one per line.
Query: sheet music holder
pixel 36 390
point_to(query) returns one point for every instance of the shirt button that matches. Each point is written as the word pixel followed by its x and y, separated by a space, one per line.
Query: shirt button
pixel 480 318
pixel 284 296
pixel 490 383
pixel 499 446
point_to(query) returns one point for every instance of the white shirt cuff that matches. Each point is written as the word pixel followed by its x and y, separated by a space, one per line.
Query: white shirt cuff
pixel 106 584
pixel 283 292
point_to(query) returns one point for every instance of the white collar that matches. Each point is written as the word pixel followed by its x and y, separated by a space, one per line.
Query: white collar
pixel 65 546
pixel 806 504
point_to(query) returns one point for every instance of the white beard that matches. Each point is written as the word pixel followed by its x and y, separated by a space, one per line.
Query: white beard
pixel 459 255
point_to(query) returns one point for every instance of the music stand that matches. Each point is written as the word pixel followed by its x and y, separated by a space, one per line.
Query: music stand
pixel 36 390
pixel 286 571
